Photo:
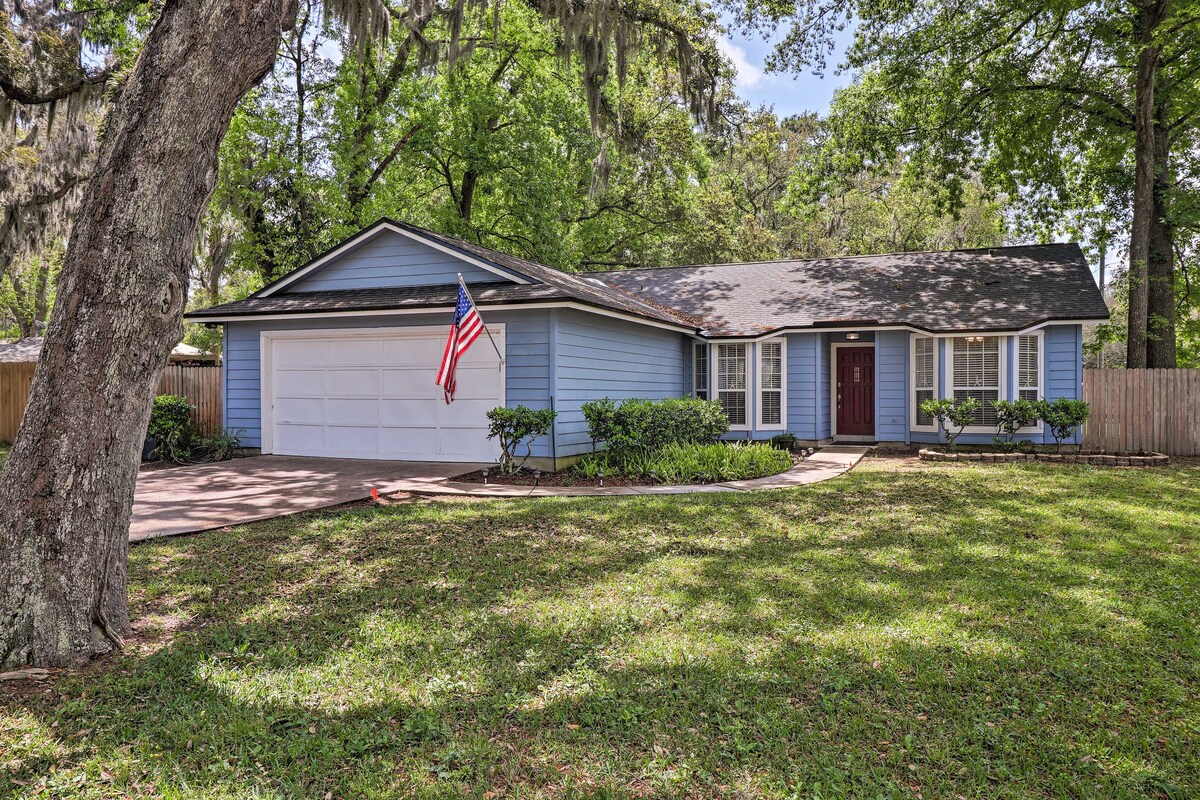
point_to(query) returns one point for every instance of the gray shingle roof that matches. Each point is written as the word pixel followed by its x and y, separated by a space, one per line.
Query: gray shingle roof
pixel 20 351
pixel 381 299
pixel 1001 288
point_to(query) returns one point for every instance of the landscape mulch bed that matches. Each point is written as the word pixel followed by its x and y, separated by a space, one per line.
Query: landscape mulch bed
pixel 565 478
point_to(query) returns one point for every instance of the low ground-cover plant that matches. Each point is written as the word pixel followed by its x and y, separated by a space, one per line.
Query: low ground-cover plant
pixel 652 424
pixel 512 426
pixel 783 441
pixel 689 463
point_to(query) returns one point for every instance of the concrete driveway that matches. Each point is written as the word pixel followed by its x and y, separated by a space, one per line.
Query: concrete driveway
pixel 168 502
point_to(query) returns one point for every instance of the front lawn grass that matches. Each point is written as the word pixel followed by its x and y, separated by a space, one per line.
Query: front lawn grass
pixel 995 631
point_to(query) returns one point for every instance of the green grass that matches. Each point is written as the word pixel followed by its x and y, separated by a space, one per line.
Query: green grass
pixel 945 631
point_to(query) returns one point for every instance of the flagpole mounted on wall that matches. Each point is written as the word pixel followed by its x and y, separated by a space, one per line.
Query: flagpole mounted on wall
pixel 499 355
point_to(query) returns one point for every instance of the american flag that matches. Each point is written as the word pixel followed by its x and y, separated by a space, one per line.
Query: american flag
pixel 463 332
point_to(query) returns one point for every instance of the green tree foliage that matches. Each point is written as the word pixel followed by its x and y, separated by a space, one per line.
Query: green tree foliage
pixel 1085 114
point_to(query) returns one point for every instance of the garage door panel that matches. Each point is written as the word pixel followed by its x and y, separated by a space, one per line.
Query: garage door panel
pixel 352 411
pixel 372 395
pixel 466 412
pixel 463 442
pixel 408 443
pixel 309 411
pixel 298 352
pixel 355 351
pixel 293 382
pixel 291 438
pixel 351 382
pixel 352 441
pixel 411 383
pixel 402 412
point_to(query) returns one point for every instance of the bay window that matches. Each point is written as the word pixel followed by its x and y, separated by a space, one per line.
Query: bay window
pixel 700 370
pixel 731 382
pixel 771 370
pixel 924 377
pixel 1029 367
pixel 976 373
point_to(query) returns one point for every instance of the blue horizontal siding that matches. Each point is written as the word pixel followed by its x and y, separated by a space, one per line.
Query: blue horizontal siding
pixel 390 259
pixel 891 385
pixel 599 357
pixel 804 390
pixel 527 376
pixel 1063 367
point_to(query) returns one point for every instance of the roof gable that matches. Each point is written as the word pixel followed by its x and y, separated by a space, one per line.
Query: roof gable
pixel 390 256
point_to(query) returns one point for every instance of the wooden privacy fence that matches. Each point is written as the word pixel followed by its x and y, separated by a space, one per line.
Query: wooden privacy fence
pixel 200 385
pixel 1143 409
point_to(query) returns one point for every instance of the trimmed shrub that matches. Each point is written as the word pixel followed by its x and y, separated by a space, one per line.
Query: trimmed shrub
pixel 171 427
pixel 1011 416
pixel 652 424
pixel 689 462
pixel 951 415
pixel 1064 416
pixel 515 425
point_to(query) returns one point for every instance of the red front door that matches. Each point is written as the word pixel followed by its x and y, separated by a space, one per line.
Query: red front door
pixel 855 391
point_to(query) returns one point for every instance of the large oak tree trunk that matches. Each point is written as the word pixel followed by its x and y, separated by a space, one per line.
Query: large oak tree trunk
pixel 67 488
pixel 1149 16
pixel 1160 344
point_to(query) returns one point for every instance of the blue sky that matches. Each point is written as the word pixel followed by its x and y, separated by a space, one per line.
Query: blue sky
pixel 787 93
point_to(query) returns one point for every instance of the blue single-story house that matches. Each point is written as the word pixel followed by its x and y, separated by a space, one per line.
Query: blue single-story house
pixel 338 358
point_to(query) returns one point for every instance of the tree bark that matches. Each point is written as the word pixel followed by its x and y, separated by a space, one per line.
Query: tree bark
pixel 67 488
pixel 1149 15
pixel 1160 344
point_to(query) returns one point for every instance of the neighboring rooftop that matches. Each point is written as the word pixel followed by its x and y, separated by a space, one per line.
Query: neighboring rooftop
pixel 30 349
pixel 999 288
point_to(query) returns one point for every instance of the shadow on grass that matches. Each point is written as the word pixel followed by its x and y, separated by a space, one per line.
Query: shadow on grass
pixel 984 632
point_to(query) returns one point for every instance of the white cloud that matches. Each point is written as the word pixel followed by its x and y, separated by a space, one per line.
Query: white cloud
pixel 748 75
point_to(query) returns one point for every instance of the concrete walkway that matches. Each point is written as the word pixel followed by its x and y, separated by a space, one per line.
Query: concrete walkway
pixel 826 463
pixel 169 502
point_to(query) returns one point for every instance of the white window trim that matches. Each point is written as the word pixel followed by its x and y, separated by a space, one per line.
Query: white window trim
pixel 708 349
pixel 1002 366
pixel 833 353
pixel 783 381
pixel 714 370
pixel 1039 427
pixel 912 382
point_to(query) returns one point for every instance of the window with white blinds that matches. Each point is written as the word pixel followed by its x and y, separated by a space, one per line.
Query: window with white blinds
pixel 924 378
pixel 1029 368
pixel 731 381
pixel 977 374
pixel 700 370
pixel 771 383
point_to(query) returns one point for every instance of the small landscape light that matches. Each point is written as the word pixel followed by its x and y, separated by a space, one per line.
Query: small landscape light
pixel 485 471
pixel 653 476
pixel 601 474
pixel 537 477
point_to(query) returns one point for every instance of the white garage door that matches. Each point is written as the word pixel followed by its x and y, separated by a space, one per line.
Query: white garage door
pixel 371 394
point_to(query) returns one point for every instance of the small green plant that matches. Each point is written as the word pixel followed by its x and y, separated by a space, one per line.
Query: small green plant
pixel 221 446
pixel 952 415
pixel 171 427
pixel 1004 445
pixel 1063 416
pixel 783 441
pixel 1011 416
pixel 515 425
